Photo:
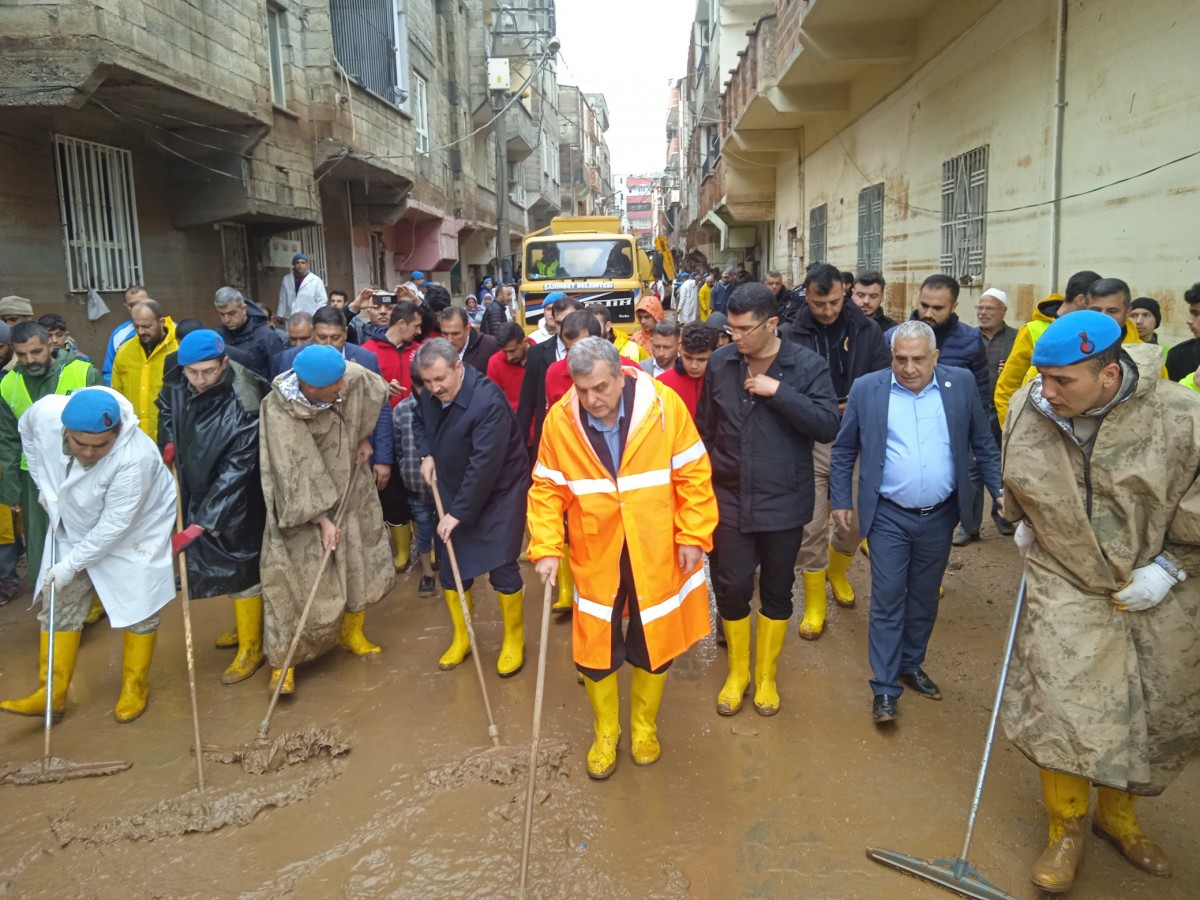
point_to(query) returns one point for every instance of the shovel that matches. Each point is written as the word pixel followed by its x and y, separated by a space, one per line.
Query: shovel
pixel 53 769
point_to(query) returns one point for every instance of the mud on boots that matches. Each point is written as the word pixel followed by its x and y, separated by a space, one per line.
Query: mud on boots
pixel 737 683
pixel 119 495
pixel 248 611
pixel 512 650
pixel 768 646
pixel 401 545
pixel 605 700
pixel 1066 798
pixel 645 698
pixel 66 652
pixel 565 601
pixel 1116 823
pixel 352 638
pixel 843 591
pixel 813 623
pixel 95 611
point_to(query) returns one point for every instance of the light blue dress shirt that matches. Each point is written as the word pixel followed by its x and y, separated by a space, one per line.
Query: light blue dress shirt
pixel 611 436
pixel 918 467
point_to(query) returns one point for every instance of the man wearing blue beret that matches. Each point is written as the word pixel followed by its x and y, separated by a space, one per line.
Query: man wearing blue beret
pixel 314 444
pixel 1100 463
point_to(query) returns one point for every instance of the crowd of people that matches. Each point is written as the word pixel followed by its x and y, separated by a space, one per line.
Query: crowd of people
pixel 776 431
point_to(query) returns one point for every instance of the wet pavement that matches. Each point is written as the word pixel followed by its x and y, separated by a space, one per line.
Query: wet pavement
pixel 745 806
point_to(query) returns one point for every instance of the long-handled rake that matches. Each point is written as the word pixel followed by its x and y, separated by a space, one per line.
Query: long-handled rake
pixel 958 874
pixel 52 769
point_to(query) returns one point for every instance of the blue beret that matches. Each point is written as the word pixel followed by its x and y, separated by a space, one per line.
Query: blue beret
pixel 1075 337
pixel 319 365
pixel 91 410
pixel 553 298
pixel 417 274
pixel 199 346
pixel 299 256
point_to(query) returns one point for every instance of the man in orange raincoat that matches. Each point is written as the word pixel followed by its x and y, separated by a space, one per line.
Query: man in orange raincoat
pixel 622 459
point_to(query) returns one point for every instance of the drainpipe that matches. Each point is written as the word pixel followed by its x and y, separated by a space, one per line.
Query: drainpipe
pixel 1060 111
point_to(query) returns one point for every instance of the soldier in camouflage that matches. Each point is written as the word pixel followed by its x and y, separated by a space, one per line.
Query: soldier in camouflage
pixel 1100 468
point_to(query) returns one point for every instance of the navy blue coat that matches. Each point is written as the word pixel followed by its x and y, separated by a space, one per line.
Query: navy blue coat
pixel 482 471
pixel 863 436
pixel 255 344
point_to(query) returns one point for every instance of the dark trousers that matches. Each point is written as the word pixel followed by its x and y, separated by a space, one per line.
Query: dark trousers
pixel 628 643
pixel 909 553
pixel 505 579
pixel 734 558
pixel 976 474
pixel 394 500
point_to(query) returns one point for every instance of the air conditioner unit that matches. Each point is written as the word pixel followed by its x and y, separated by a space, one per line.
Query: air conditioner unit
pixel 517 195
pixel 280 252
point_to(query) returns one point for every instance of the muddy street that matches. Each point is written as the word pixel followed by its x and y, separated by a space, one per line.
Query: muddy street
pixel 737 807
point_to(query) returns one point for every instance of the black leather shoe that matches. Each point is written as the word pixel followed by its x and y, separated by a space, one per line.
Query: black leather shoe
pixel 1008 529
pixel 922 684
pixel 883 709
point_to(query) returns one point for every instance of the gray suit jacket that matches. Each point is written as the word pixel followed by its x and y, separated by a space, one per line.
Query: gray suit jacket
pixel 864 435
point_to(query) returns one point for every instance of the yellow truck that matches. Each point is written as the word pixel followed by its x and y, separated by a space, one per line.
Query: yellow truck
pixel 588 257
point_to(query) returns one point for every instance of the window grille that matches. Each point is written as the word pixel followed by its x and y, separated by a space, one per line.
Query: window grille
pixel 98 207
pixel 364 42
pixel 964 213
pixel 312 245
pixel 870 228
pixel 817 218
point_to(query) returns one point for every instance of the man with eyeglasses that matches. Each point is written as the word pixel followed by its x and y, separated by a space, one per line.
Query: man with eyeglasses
pixel 852 346
pixel 765 403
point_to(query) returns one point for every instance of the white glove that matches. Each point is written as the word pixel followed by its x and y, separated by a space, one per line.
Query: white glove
pixel 1024 538
pixel 1147 587
pixel 60 575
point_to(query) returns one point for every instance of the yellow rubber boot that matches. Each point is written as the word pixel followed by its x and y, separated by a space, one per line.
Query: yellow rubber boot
pixel 864 548
pixel 512 650
pixel 737 637
pixel 402 541
pixel 249 614
pixel 1066 798
pixel 66 651
pixel 813 622
pixel 139 650
pixel 95 612
pixel 843 591
pixel 1116 823
pixel 352 637
pixel 460 645
pixel 289 683
pixel 768 646
pixel 566 585
pixel 227 640
pixel 602 757
pixel 644 700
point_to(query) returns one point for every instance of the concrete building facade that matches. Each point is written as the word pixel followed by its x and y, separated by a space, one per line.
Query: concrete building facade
pixel 584 159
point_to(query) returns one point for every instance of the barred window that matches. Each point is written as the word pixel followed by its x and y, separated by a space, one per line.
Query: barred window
pixel 312 244
pixel 870 229
pixel 964 213
pixel 818 216
pixel 99 215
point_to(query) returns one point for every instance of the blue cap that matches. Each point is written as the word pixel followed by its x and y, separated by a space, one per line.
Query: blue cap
pixel 417 274
pixel 552 298
pixel 299 256
pixel 319 365
pixel 199 346
pixel 91 410
pixel 1075 337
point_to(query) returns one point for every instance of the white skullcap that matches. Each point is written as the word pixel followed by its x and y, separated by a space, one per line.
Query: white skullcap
pixel 997 293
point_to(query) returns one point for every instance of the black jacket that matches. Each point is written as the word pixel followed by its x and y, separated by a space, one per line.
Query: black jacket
pixel 482 471
pixel 494 315
pixel 761 447
pixel 216 456
pixel 791 303
pixel 868 352
pixel 255 343
pixel 531 410
pixel 1183 359
pixel 480 348
pixel 885 322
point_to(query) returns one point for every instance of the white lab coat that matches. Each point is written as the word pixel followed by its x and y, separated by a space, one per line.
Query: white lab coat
pixel 114 520
pixel 689 302
pixel 309 298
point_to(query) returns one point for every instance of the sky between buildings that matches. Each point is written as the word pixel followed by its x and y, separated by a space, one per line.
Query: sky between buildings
pixel 630 51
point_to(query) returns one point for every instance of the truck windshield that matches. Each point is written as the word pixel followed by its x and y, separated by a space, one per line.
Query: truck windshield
pixel 548 260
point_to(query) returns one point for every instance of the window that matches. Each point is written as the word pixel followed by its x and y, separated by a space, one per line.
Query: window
pixel 817 218
pixel 276 30
pixel 420 111
pixel 99 215
pixel 870 228
pixel 365 44
pixel 378 266
pixel 964 213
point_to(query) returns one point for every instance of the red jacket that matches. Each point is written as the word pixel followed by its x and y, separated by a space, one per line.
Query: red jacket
pixel 558 382
pixel 506 376
pixel 395 363
pixel 687 387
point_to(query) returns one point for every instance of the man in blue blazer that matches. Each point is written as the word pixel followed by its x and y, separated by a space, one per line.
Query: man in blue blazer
pixel 915 428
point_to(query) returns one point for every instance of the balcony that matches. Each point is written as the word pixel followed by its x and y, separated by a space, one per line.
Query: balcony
pixel 520 129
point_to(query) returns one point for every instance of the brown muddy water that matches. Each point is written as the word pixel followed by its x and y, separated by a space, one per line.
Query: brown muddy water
pixel 757 807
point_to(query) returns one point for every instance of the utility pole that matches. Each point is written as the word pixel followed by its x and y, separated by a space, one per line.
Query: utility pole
pixel 500 84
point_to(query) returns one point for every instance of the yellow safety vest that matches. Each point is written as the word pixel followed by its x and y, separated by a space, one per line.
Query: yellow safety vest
pixel 16 394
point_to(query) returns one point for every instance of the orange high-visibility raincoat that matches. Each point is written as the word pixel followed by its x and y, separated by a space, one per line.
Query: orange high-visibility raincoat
pixel 662 498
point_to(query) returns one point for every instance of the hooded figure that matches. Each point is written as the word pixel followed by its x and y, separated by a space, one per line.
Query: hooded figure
pixel 111 520
pixel 652 307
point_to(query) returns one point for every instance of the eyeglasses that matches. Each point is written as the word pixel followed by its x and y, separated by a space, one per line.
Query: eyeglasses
pixel 743 332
